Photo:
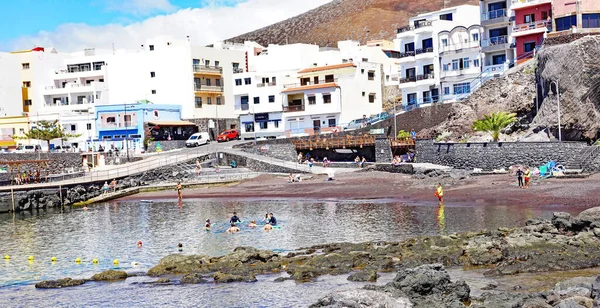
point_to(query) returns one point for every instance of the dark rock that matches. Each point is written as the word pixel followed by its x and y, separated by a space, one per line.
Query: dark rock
pixel 193 279
pixel 562 221
pixel 163 280
pixel 179 264
pixel 590 217
pixel 361 299
pixel 596 288
pixel 577 282
pixel 536 302
pixel 248 255
pixel 110 275
pixel 490 286
pixel 227 278
pixel 60 283
pixel 364 276
pixel 501 300
pixel 281 279
pixel 575 302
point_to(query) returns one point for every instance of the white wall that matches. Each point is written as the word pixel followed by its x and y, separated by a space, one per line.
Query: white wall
pixel 10 85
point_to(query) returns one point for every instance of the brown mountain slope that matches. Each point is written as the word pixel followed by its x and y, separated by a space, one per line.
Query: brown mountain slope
pixel 361 20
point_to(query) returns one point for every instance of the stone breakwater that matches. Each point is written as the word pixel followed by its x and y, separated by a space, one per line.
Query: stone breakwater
pixel 563 243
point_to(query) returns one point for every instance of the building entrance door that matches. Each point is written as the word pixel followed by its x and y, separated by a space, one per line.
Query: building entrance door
pixel 317 126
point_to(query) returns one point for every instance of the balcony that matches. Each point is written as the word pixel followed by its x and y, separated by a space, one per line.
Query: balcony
pixel 309 83
pixel 520 4
pixel 417 25
pixel 237 70
pixel 458 48
pixel 426 79
pixel 245 107
pixel 425 76
pixel 266 84
pixel 408 79
pixel 74 88
pixel 496 43
pixel 495 17
pixel 73 73
pixel 424 52
pixel 204 88
pixel 532 28
pixel 207 69
pixel 293 108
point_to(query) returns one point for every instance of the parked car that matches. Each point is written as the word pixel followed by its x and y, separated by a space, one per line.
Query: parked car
pixel 378 117
pixel 62 149
pixel 197 139
pixel 28 149
pixel 228 135
pixel 355 124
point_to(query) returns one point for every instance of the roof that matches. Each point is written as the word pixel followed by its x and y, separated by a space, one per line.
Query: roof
pixel 171 123
pixel 316 86
pixel 326 68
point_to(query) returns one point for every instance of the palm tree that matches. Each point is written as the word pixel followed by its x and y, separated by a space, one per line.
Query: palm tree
pixel 494 123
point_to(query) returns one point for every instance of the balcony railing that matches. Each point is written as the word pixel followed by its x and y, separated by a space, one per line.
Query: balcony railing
pixel 309 83
pixel 494 14
pixel 237 70
pixel 459 47
pixel 417 25
pixel 406 54
pixel 408 79
pixel 494 41
pixel 204 88
pixel 245 107
pixel 425 76
pixel 293 108
pixel 198 68
pixel 527 2
pixel 423 50
pixel 533 25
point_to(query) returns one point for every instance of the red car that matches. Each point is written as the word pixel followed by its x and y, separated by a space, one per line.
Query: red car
pixel 228 135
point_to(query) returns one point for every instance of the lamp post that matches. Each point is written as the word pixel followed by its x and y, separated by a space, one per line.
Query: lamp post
pixel 394 115
pixel 558 102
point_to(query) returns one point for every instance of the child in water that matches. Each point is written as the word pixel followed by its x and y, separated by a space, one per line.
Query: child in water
pixel 268 227
pixel 252 224
pixel 207 225
pixel 233 229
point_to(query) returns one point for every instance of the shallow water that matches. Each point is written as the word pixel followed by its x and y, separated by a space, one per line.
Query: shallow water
pixel 111 230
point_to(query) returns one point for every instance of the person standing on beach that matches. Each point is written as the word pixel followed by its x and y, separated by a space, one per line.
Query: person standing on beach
pixel 113 184
pixel 520 174
pixel 105 188
pixel 439 192
pixel 527 177
pixel 179 191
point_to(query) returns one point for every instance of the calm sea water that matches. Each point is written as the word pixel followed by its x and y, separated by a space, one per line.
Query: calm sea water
pixel 111 230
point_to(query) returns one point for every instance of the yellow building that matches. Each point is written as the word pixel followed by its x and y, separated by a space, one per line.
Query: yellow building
pixel 208 84
pixel 10 126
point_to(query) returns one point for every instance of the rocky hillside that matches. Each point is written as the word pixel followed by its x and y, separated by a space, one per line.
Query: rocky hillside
pixel 576 67
pixel 361 20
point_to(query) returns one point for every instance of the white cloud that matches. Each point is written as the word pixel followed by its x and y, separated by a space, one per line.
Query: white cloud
pixel 140 7
pixel 204 26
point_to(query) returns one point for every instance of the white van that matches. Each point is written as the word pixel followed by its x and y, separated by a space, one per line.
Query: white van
pixel 197 139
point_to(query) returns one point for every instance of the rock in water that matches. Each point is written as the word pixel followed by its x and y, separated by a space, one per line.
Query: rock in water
pixel 179 264
pixel 110 275
pixel 370 276
pixel 227 278
pixel 60 283
pixel 590 217
pixel 361 299
pixel 192 279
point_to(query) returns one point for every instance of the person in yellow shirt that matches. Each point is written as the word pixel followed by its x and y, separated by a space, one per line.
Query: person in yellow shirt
pixel 439 192
pixel 527 177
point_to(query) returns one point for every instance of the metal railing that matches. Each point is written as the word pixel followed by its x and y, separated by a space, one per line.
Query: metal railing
pixel 204 88
pixel 459 47
pixel 533 25
pixel 494 14
pixel 199 68
pixel 425 76
pixel 417 25
pixel 310 83
pixel 423 50
pixel 494 41
pixel 293 108
pixel 238 70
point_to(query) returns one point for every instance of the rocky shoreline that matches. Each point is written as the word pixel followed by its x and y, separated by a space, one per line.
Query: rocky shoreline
pixel 563 243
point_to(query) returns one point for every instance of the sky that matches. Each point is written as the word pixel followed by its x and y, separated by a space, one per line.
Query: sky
pixel 73 25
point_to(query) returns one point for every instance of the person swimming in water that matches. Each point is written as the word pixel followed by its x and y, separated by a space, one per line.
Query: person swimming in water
pixel 266 218
pixel 268 227
pixel 252 224
pixel 207 225
pixel 234 219
pixel 272 220
pixel 233 229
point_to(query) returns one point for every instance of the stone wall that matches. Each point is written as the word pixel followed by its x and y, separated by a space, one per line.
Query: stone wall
pixel 403 168
pixel 489 156
pixel 60 162
pixel 254 165
pixel 391 94
pixel 220 125
pixel 166 145
pixel 277 148
pixel 383 150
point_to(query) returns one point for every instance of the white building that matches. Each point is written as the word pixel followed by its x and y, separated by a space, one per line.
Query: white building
pixel 420 78
pixel 460 60
pixel 497 43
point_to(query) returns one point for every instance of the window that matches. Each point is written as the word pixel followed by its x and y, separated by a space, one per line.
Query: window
pixel 411 98
pixel 247 81
pixel 111 120
pixel 331 122
pixel 362 70
pixel 498 59
pixel 218 82
pixel 427 43
pixel 152 74
pixel 217 63
pixel 365 59
pixel 529 18
pixel 446 90
pixel 236 66
pixel 528 46
pixel 73 127
pixel 263 125
pixel 249 127
pixel 27 102
pixel 207 81
pixel 276 124
pixel 329 78
pixel 256 100
pixel 444 42
pixel 218 101
pixel 475 37
pixel 461 88
pixel 151 47
pixel 209 101
pixel 446 16
pixel 197 82
pixel 312 100
pixel 89 126
pixel 455 65
pixel 326 98
pixel 446 67
pixel 371 98
pixel 409 47
pixel 25 66
pixel 271 98
pixel 476 62
pixel 207 62
pixel 26 84
pixel 591 20
pixel 545 15
pixel 153 91
pixel 466 63
pixel 565 23
pixel 371 75
pixel 363 94
pixel 238 82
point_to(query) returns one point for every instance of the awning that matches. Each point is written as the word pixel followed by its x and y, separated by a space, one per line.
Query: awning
pixel 171 123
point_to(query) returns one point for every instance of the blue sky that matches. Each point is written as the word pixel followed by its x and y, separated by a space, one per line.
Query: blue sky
pixel 28 17
pixel 73 25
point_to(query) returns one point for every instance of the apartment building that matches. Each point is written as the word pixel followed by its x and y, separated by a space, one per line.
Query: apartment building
pixel 532 20
pixel 419 48
pixel 497 44
pixel 582 15
pixel 460 60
